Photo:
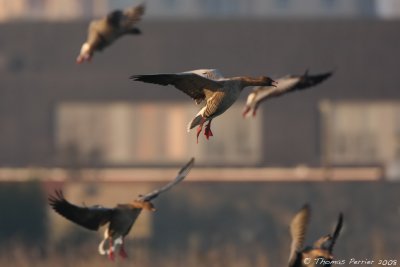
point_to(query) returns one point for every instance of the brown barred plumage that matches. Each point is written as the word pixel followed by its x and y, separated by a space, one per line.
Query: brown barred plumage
pixel 220 93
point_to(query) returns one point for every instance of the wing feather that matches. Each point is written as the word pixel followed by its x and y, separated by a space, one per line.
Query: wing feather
pixel 298 229
pixel 308 81
pixel 192 84
pixel 212 74
pixel 127 18
pixel 89 217
pixel 336 233
pixel 132 15
pixel 180 176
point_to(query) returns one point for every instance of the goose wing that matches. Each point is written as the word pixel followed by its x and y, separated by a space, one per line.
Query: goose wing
pixel 180 176
pixel 212 74
pixel 336 233
pixel 89 217
pixel 190 83
pixel 126 19
pixel 298 229
pixel 327 242
pixel 308 81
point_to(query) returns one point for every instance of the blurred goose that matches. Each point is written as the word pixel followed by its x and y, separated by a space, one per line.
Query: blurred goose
pixel 286 84
pixel 105 31
pixel 218 92
pixel 322 249
pixel 120 218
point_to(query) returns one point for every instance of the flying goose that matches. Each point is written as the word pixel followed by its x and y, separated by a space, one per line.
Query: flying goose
pixel 105 31
pixel 321 249
pixel 286 84
pixel 218 92
pixel 120 218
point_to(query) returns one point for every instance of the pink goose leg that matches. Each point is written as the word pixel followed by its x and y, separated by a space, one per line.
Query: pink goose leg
pixel 122 251
pixel 207 130
pixel 245 111
pixel 111 255
pixel 199 128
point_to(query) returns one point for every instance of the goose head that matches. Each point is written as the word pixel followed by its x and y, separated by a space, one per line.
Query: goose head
pixel 85 54
pixel 267 81
pixel 146 205
pixel 257 81
pixel 323 242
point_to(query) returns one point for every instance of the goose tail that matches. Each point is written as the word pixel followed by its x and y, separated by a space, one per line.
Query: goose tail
pixel 199 119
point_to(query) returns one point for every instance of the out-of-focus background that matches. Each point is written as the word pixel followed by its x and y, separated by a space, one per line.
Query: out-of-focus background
pixel 104 139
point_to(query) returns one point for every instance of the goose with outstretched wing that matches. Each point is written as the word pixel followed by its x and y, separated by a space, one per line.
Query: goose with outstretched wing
pixel 206 85
pixel 119 219
pixel 103 32
pixel 321 252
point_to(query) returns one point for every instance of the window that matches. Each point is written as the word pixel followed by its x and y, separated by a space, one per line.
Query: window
pixel 361 132
pixel 121 133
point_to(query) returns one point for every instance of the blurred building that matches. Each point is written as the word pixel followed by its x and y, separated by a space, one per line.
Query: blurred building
pixel 77 9
pixel 388 8
pixel 59 10
pixel 56 113
pixel 262 8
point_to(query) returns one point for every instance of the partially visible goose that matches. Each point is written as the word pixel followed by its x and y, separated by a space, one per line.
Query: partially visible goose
pixel 120 218
pixel 322 249
pixel 286 84
pixel 218 92
pixel 105 31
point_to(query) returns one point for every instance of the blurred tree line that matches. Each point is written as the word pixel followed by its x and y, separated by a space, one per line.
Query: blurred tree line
pixel 23 218
pixel 239 219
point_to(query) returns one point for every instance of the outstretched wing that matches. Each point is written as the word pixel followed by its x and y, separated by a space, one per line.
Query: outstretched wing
pixel 336 233
pixel 190 83
pixel 212 74
pixel 125 19
pixel 298 229
pixel 132 15
pixel 89 217
pixel 327 242
pixel 181 175
pixel 308 81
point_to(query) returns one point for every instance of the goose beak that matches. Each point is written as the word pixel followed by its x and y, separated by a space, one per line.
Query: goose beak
pixel 274 83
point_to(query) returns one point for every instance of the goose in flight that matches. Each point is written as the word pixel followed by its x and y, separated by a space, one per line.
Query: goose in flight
pixel 286 84
pixel 103 32
pixel 120 218
pixel 321 249
pixel 206 85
